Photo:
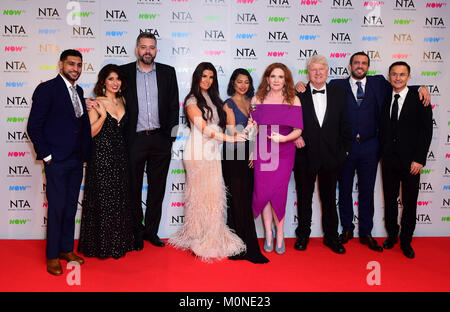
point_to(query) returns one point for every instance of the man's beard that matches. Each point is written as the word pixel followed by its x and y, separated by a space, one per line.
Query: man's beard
pixel 146 62
pixel 68 77
pixel 354 75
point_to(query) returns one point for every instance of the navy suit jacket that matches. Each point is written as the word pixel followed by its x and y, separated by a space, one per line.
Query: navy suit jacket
pixel 53 127
pixel 362 118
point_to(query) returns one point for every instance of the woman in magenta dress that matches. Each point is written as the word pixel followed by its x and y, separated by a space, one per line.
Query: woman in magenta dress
pixel 278 114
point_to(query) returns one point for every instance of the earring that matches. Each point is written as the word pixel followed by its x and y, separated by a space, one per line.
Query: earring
pixel 104 90
pixel 268 88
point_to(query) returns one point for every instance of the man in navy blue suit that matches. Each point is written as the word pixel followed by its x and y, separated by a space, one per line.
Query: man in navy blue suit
pixel 60 131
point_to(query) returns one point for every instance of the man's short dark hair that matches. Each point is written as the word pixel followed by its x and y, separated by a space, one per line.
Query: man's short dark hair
pixel 147 35
pixel 400 63
pixel 70 52
pixel 360 53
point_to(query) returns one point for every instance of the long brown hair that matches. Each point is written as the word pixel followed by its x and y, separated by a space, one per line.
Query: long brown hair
pixel 288 90
pixel 213 93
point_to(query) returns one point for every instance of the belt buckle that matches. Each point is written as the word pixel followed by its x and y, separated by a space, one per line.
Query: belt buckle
pixel 148 132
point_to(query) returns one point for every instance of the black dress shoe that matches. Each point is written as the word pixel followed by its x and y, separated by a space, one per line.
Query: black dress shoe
pixel 372 243
pixel 407 250
pixel 156 241
pixel 345 237
pixel 301 243
pixel 334 245
pixel 390 242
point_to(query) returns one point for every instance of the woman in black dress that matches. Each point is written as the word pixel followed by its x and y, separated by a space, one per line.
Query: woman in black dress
pixel 106 227
pixel 237 168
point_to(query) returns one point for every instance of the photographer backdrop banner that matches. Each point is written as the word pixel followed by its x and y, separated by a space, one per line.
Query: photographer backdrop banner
pixel 230 34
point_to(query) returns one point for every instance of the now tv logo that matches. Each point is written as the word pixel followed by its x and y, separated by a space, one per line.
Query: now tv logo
pixel 18 188
pixel 423 203
pixel 18 154
pixel 112 33
pixel 277 54
pixel 308 37
pixel 340 20
pixel 177 204
pixel 13 12
pixel 148 16
pixel 432 39
pixel 430 73
pixel 19 221
pixel 15 84
pixel 435 5
pixel 400 56
pixel 214 52
pixel 373 3
pixel 16 119
pixel 84 50
pixel 310 2
pixel 245 36
pixel 14 48
pixel 277 19
pixel 371 38
pixel 339 54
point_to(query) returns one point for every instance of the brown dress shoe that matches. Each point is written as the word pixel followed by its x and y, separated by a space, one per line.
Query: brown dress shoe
pixel 371 242
pixel 345 237
pixel 54 266
pixel 71 256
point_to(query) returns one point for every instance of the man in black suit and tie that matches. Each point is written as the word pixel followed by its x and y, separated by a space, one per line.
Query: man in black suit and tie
pixel 153 108
pixel 323 147
pixel 60 131
pixel 406 129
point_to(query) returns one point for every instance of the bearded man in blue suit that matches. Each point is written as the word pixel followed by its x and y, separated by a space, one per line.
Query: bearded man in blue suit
pixel 60 131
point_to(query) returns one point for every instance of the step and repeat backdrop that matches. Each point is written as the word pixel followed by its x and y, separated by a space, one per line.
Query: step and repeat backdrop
pixel 228 33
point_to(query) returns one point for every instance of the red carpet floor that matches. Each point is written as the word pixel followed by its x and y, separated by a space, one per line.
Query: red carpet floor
pixel 318 269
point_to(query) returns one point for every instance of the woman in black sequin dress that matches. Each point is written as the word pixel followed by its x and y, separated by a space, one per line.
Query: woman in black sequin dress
pixel 106 226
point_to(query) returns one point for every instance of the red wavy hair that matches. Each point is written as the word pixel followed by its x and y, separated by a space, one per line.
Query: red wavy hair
pixel 288 90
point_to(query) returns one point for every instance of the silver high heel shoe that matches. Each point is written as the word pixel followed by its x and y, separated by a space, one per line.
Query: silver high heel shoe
pixel 268 248
pixel 280 250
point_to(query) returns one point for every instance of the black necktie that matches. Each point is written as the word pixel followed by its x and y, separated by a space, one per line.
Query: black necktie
pixel 394 113
pixel 318 91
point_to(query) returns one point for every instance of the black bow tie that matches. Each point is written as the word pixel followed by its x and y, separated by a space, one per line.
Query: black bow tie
pixel 318 91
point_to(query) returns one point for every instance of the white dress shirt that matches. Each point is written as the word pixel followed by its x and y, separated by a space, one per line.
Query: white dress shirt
pixel 401 100
pixel 320 103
